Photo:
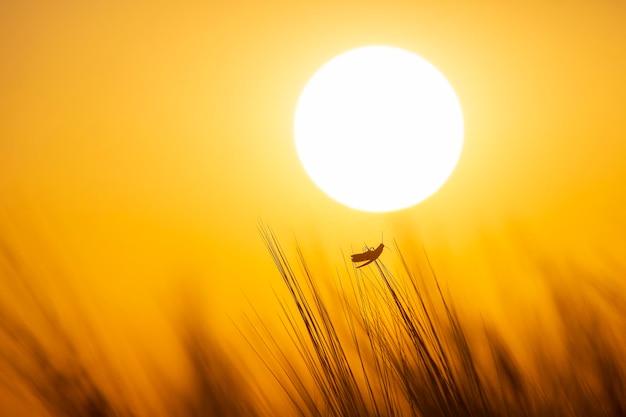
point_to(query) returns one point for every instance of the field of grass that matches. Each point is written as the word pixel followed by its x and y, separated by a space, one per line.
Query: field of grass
pixel 376 344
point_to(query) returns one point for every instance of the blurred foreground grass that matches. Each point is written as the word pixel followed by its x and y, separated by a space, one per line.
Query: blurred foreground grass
pixel 378 344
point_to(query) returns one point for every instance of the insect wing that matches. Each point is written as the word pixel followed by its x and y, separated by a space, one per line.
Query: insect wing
pixel 360 257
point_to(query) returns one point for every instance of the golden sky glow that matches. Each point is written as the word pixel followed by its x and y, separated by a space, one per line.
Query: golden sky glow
pixel 167 129
pixel 147 140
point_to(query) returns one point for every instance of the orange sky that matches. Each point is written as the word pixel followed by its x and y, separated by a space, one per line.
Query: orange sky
pixel 145 141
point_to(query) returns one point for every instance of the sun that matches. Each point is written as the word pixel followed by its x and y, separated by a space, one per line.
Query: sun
pixel 378 129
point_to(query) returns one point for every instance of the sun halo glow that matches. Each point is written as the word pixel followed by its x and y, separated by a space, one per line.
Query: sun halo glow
pixel 378 129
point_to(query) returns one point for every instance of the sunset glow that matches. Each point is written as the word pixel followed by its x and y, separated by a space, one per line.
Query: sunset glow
pixel 327 208
pixel 378 129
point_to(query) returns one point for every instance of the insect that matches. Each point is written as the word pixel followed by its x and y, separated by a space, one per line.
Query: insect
pixel 369 255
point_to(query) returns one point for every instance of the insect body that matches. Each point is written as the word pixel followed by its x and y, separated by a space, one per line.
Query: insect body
pixel 369 255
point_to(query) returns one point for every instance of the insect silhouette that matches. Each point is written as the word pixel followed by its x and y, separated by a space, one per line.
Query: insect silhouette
pixel 370 255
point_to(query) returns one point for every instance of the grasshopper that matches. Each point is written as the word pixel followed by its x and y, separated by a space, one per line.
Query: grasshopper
pixel 370 255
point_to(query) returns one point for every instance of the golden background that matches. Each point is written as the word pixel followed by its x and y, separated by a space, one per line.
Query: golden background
pixel 142 142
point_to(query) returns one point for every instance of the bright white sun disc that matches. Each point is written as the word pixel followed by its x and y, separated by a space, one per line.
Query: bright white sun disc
pixel 378 129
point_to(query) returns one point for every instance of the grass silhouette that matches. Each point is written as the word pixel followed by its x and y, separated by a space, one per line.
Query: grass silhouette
pixel 404 357
pixel 410 352
pixel 376 344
